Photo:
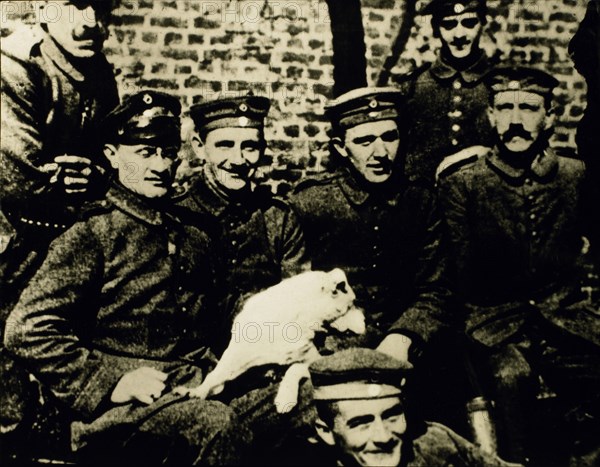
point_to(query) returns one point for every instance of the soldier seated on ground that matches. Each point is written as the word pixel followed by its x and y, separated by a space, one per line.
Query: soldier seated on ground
pixel 364 417
pixel 516 227
pixel 113 319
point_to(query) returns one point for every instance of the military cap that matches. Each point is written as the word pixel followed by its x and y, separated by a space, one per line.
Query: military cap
pixel 358 373
pixel 521 78
pixel 362 105
pixel 147 117
pixel 453 7
pixel 238 112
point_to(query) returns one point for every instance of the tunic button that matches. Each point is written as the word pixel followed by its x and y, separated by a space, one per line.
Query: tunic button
pixel 528 181
pixel 457 99
pixel 534 233
pixel 457 84
pixel 374 266
pixel 531 197
pixel 532 302
pixel 532 216
pixel 234 261
pixel 454 142
pixel 233 242
pixel 179 289
pixel 376 228
pixel 184 309
pixel 455 128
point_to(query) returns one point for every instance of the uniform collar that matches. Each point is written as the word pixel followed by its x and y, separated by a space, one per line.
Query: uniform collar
pixel 472 74
pixel 543 166
pixel 358 195
pixel 135 205
pixel 50 48
pixel 209 199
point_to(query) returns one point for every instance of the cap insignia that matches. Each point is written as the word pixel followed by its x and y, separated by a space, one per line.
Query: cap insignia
pixel 147 99
pixel 373 104
pixel 243 121
pixel 243 107
pixel 459 8
pixel 513 85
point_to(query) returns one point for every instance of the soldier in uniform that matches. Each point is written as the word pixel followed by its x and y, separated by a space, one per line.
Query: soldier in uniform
pixel 365 418
pixel 113 318
pixel 56 85
pixel 515 226
pixel 448 99
pixel 257 237
pixel 382 231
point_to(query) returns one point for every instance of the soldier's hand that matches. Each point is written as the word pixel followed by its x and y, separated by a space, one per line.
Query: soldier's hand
pixel 144 385
pixel 396 345
pixel 74 172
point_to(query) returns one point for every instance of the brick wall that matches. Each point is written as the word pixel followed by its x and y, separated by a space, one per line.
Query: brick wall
pixel 282 49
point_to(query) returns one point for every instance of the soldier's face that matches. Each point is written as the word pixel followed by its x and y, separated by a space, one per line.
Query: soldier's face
pixel 370 432
pixel 519 118
pixel 232 155
pixel 460 34
pixel 146 170
pixel 79 27
pixel 372 148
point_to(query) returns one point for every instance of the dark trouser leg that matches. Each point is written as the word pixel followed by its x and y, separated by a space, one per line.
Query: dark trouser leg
pixel 514 395
pixel 273 432
pixel 185 432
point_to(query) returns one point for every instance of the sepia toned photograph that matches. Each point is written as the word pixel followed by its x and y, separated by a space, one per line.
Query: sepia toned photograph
pixel 300 233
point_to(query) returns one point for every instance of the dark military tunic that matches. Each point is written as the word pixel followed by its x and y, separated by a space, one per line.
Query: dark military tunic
pixel 448 112
pixel 517 242
pixel 49 108
pixel 517 239
pixel 257 238
pixel 389 246
pixel 126 287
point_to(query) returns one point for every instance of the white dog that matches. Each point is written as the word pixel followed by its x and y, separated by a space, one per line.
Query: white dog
pixel 278 325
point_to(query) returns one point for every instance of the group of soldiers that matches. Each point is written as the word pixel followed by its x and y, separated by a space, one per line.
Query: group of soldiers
pixel 463 234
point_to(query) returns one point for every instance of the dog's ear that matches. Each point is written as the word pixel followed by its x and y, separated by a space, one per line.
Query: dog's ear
pixel 337 282
pixel 353 320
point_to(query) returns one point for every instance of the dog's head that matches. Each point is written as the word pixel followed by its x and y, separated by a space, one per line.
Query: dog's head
pixel 342 315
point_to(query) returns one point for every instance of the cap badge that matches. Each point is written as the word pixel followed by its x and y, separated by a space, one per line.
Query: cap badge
pixel 147 99
pixel 243 121
pixel 513 85
pixel 373 104
pixel 459 8
pixel 373 114
pixel 243 107
pixel 374 390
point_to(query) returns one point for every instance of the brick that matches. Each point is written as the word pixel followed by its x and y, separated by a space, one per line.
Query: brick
pixel 226 39
pixel 375 17
pixel 183 70
pixel 178 54
pixel 294 72
pixel 385 4
pixel 293 131
pixel 150 37
pixel 159 68
pixel 295 57
pixel 204 23
pixel 311 130
pixel 195 39
pixel 173 38
pixel 159 84
pixel 167 22
pixel 565 17
pixel 315 74
pixel 128 20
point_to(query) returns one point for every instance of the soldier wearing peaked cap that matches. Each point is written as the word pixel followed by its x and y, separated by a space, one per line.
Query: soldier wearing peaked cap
pixel 257 237
pixel 114 318
pixel 383 231
pixel 524 305
pixel 364 416
pixel 447 99
pixel 56 86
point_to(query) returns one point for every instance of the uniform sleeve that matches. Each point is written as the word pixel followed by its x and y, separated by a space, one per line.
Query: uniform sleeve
pixel 287 239
pixel 24 111
pixel 429 311
pixel 452 192
pixel 47 329
pixel 441 446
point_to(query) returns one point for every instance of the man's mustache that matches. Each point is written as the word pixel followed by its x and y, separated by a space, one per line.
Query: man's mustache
pixel 515 131
pixel 460 42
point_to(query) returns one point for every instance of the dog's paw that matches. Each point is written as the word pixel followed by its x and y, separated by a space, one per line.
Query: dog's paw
pixel 196 392
pixel 284 404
